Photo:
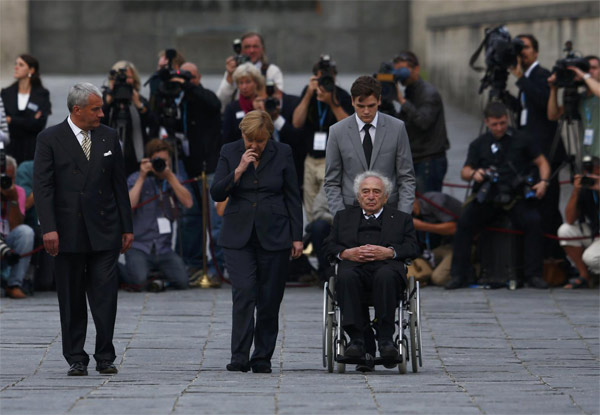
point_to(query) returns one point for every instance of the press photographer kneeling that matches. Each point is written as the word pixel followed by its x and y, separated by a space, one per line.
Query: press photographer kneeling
pixel 499 162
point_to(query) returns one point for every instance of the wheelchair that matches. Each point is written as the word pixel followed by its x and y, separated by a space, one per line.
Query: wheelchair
pixel 408 316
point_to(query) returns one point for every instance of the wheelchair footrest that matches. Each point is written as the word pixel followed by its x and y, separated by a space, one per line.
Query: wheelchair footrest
pixel 360 360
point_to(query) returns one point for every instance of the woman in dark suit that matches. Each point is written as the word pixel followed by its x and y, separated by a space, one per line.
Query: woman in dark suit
pixel 27 106
pixel 261 223
pixel 249 82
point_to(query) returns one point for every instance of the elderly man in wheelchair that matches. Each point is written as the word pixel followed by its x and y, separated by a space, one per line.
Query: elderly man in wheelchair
pixel 370 244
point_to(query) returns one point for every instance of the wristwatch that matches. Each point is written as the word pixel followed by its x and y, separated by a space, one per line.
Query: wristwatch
pixel 586 76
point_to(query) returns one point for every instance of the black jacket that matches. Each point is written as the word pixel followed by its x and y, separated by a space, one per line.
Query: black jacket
pixel 86 202
pixel 266 198
pixel 24 127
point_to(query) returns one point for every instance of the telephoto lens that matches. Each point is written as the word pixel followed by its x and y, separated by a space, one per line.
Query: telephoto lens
pixel 158 164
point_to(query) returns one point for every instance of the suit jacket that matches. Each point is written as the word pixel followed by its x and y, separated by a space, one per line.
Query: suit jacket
pixel 294 137
pixel 538 126
pixel 397 231
pixel 266 198
pixel 24 127
pixel 86 202
pixel 345 159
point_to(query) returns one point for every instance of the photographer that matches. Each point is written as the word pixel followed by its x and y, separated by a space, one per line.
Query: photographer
pixel 152 222
pixel 252 49
pixel 128 112
pixel 581 220
pixel 422 111
pixel 155 80
pixel 588 106
pixel 18 236
pixel 322 104
pixel 497 161
pixel 280 106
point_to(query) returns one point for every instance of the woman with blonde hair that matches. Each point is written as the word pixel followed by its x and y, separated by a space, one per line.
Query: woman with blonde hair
pixel 262 227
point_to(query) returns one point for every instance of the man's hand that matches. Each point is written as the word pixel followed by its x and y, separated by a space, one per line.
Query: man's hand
pixel 126 241
pixel 51 243
pixel 517 70
pixel 479 175
pixel 297 248
pixel 145 167
pixel 230 66
pixel 552 81
pixel 324 96
pixel 400 95
pixel 135 98
pixel 578 72
pixel 540 189
pixel 7 118
pixel 376 253
pixel 313 85
pixel 352 254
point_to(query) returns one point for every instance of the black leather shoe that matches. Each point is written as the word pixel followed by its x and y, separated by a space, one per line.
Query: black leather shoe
pixel 106 367
pixel 356 348
pixel 387 349
pixel 454 283
pixel 237 367
pixel 261 369
pixel 77 369
pixel 367 366
pixel 537 282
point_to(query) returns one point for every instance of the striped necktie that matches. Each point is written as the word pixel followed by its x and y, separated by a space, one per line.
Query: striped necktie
pixel 86 144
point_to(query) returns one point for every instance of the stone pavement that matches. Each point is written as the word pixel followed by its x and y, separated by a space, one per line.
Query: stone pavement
pixel 485 352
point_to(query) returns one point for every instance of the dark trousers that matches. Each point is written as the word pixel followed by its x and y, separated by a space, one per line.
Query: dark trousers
pixel 319 230
pixel 551 218
pixel 258 280
pixel 477 215
pixel 430 174
pixel 383 281
pixel 94 274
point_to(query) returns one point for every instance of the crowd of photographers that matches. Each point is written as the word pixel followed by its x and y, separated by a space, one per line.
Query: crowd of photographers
pixel 173 137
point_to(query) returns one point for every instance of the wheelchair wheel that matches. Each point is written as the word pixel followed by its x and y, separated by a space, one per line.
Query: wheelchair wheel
pixel 404 350
pixel 341 367
pixel 419 342
pixel 413 324
pixel 328 334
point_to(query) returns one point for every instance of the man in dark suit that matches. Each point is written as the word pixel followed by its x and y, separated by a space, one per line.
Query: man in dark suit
pixel 84 211
pixel 371 241
pixel 532 119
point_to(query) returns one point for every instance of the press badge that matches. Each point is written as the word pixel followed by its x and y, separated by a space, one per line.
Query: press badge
pixel 164 225
pixel 588 137
pixel 523 117
pixel 320 141
pixel 494 148
pixel 240 114
pixel 33 106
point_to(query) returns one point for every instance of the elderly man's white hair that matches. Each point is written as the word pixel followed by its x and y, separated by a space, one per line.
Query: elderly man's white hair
pixel 387 184
pixel 79 94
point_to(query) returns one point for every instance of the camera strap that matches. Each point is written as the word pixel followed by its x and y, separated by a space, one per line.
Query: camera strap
pixel 322 109
pixel 475 54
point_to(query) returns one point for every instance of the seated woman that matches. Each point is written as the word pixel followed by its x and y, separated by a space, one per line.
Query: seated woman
pixel 261 224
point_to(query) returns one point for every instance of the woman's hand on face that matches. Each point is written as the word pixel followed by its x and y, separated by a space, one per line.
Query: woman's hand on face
pixel 249 156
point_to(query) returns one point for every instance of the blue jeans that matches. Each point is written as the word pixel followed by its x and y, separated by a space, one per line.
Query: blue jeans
pixel 430 174
pixel 191 231
pixel 138 264
pixel 20 239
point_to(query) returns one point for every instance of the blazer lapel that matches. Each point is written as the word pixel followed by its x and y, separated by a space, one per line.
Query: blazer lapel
pixel 266 156
pixel 356 143
pixel 379 138
pixel 69 142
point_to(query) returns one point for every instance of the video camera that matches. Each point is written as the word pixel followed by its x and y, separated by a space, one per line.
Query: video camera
pixel 565 77
pixel 271 103
pixel 389 77
pixel 121 91
pixel 5 180
pixel 327 78
pixel 239 57
pixel 501 52
pixel 168 93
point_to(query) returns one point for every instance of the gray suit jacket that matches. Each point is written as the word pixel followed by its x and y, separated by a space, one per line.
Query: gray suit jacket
pixel 345 159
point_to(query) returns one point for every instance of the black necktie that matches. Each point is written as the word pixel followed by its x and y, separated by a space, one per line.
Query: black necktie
pixel 367 144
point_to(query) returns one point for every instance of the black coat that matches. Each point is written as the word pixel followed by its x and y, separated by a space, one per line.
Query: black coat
pixel 397 231
pixel 24 127
pixel 86 202
pixel 294 137
pixel 266 198
pixel 232 116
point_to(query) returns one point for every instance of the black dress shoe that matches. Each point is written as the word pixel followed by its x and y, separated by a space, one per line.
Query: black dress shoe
pixel 106 367
pixel 261 369
pixel 356 348
pixel 237 367
pixel 77 369
pixel 537 282
pixel 387 349
pixel 454 283
pixel 367 366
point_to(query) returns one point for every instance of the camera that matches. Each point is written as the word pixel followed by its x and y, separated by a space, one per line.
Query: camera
pixel 159 165
pixel 490 178
pixel 326 80
pixel 389 77
pixel 5 180
pixel 121 91
pixel 7 254
pixel 271 103
pixel 501 52
pixel 169 91
pixel 566 77
pixel 588 168
pixel 239 57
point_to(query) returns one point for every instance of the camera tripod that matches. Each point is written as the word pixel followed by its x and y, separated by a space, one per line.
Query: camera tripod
pixel 570 120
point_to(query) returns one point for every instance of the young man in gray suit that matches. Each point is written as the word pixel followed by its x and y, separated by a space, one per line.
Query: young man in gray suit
pixel 369 140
